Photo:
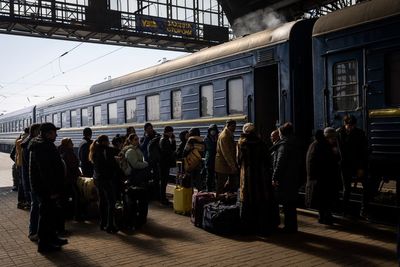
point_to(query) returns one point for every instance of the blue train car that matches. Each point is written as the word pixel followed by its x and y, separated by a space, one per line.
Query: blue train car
pixel 265 77
pixel 12 125
pixel 356 57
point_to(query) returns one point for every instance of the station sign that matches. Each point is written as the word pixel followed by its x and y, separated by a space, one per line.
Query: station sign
pixel 164 26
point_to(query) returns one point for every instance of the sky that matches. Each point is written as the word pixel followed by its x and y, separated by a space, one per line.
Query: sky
pixel 33 70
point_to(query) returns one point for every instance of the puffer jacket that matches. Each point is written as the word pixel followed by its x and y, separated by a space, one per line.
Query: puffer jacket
pixel 135 157
pixel 286 170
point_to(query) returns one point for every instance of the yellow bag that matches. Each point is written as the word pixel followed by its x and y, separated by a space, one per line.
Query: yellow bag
pixel 192 160
pixel 183 200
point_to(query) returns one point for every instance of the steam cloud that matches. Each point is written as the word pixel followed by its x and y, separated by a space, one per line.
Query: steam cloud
pixel 257 21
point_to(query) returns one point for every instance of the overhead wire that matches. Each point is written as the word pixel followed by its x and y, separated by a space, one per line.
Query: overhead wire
pixel 62 73
pixel 41 67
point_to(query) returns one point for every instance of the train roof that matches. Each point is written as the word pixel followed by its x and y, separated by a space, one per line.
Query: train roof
pixel 62 99
pixel 240 45
pixel 17 113
pixel 361 13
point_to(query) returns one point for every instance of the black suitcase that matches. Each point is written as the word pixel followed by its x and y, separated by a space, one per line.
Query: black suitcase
pixel 221 218
pixel 136 206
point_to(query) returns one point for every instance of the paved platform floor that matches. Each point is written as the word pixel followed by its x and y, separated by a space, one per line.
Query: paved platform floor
pixel 169 239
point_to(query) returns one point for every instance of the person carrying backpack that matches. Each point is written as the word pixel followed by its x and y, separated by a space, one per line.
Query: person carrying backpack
pixel 193 157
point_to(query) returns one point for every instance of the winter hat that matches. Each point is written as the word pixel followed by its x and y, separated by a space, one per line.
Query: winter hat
pixel 248 128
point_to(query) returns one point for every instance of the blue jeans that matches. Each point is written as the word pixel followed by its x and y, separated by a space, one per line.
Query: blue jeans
pixel 34 215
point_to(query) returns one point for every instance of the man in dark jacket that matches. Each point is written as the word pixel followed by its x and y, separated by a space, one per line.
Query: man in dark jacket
pixel 47 179
pixel 34 212
pixel 83 152
pixel 285 174
pixel 211 150
pixel 168 160
pixel 353 147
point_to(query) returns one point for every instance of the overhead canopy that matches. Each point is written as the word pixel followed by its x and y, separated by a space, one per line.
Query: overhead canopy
pixel 364 12
pixel 240 45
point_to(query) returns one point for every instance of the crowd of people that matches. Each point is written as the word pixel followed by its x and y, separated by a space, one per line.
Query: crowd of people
pixel 263 174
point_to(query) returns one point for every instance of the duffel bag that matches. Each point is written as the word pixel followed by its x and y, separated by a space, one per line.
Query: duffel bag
pixel 198 201
pixel 220 218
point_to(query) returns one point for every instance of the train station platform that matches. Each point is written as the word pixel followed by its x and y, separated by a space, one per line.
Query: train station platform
pixel 169 239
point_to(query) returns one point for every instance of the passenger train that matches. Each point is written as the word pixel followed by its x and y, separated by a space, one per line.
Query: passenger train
pixel 310 72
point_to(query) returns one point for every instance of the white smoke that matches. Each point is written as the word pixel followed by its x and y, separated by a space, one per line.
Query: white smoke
pixel 257 21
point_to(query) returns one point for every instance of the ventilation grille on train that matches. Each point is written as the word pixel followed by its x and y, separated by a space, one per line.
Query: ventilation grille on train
pixel 385 137
pixel 265 56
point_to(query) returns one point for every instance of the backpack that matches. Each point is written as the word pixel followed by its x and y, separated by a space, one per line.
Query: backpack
pixel 123 162
pixel 154 150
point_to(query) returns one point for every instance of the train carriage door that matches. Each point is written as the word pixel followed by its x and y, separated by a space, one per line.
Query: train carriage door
pixel 344 81
pixel 266 99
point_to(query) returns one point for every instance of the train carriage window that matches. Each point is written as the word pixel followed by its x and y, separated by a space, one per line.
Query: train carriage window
pixel 130 110
pixel 48 118
pixel 97 115
pixel 392 79
pixel 176 104
pixel 112 113
pixel 84 117
pixel 207 100
pixel 64 119
pixel 153 108
pixel 73 118
pixel 235 96
pixel 55 119
pixel 345 86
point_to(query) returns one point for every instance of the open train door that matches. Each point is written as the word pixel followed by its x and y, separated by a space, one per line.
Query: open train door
pixel 344 94
pixel 266 99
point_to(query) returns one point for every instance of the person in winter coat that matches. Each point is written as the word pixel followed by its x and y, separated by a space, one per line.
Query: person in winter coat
pixel 150 146
pixel 183 136
pixel 322 163
pixel 148 135
pixel 105 166
pixel 66 150
pixel 211 150
pixel 24 198
pixel 285 174
pixel 168 160
pixel 193 155
pixel 225 160
pixel 83 152
pixel 136 160
pixel 258 210
pixel 117 144
pixel 353 147
pixel 47 180
pixel 34 131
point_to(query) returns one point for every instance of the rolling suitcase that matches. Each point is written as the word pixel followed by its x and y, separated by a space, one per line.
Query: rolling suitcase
pixel 183 200
pixel 198 201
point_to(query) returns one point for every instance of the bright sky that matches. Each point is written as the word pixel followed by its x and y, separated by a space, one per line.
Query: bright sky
pixel 32 70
